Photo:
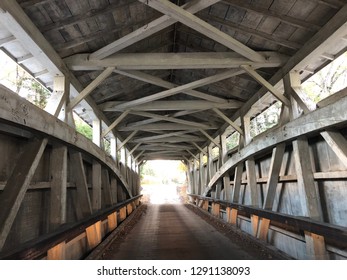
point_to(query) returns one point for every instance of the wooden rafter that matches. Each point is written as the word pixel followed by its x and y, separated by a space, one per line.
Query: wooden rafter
pixel 148 29
pixel 203 27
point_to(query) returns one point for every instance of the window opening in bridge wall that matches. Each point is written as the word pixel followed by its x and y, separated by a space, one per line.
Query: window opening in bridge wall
pixel 266 120
pixel 17 79
pixel 233 140
pixel 329 80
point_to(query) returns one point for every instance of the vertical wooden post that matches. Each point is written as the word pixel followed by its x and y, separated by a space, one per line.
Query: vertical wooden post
pixel 96 186
pixel 223 154
pixel 97 132
pixel 252 184
pixel 209 163
pixel 114 187
pixel 201 174
pixel 106 187
pixel 315 245
pixel 79 177
pixel 58 170
pixel 237 182
pixel 274 172
pixel 195 179
pixel 113 144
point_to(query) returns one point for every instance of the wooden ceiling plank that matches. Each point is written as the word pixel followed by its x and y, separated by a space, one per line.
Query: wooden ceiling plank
pixel 266 12
pixel 203 27
pixel 147 30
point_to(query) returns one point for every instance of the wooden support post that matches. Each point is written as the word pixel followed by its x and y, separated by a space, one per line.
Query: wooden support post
pixel 223 157
pixel 232 215
pixel 122 213
pixel 96 186
pixel 106 187
pixel 195 179
pixel 113 144
pixel 215 209
pixel 57 252
pixel 114 187
pixel 201 174
pixel 17 184
pixel 338 143
pixel 58 175
pixel 94 235
pixel 112 221
pixel 274 172
pixel 315 245
pixel 129 209
pixel 237 182
pixel 246 123
pixel 209 163
pixel 97 132
pixel 56 104
pixel 205 205
pixel 79 177
pixel 252 184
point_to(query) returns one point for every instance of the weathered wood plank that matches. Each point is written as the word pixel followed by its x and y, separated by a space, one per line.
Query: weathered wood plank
pixel 58 184
pixel 17 185
pixel 79 177
pixel 96 186
pixel 338 143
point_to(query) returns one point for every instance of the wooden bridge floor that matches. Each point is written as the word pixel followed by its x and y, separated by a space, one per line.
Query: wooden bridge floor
pixel 173 231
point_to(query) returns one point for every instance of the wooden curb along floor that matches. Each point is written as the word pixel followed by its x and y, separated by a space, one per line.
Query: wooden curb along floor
pixel 272 250
pixel 98 252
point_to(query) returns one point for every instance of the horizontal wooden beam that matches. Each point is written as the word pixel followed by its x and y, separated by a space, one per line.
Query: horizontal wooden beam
pixel 161 127
pixel 171 105
pixel 155 61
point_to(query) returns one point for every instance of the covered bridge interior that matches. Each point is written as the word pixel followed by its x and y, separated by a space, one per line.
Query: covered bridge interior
pixel 173 80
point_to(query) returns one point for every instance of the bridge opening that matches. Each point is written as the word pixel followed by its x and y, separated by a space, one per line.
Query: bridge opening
pixel 163 182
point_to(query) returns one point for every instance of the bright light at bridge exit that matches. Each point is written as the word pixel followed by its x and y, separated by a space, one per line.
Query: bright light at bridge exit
pixel 163 181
